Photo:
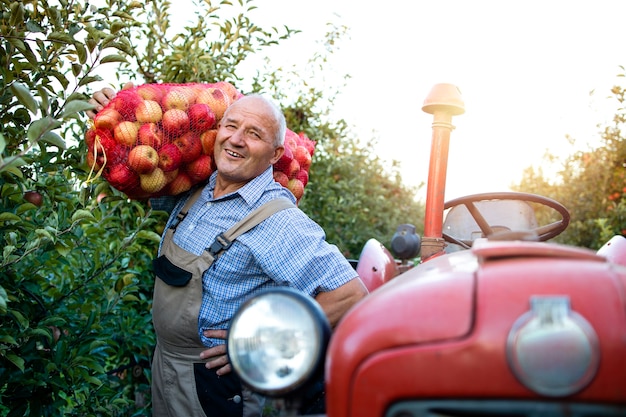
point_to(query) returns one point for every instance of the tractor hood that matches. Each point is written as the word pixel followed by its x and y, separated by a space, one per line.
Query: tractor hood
pixel 435 326
pixel 408 311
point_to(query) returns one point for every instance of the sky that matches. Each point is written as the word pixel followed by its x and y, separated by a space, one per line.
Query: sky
pixel 530 72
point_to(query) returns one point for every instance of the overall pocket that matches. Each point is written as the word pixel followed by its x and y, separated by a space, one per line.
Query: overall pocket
pixel 219 396
pixel 170 273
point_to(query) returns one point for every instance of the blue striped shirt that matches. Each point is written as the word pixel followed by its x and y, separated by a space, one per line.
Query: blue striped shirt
pixel 287 249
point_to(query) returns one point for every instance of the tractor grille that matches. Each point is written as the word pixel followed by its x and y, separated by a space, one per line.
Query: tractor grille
pixel 502 408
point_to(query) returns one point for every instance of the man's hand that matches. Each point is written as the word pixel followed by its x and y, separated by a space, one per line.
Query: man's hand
pixel 101 98
pixel 218 353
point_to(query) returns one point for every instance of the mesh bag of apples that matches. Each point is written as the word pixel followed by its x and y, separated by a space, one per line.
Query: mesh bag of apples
pixel 157 139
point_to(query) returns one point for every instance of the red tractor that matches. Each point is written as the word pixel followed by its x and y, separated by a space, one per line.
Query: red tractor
pixel 493 321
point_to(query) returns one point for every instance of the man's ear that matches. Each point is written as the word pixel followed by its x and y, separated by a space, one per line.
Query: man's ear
pixel 278 152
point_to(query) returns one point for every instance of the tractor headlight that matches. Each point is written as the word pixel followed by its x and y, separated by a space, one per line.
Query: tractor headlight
pixel 277 341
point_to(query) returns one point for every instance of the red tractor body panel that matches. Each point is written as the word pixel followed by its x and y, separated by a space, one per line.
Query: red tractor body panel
pixel 439 331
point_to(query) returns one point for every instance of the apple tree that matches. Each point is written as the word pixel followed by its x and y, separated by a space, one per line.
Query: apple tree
pixel 75 269
pixel 590 182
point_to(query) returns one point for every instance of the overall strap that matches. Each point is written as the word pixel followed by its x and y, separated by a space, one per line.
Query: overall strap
pixel 183 212
pixel 224 240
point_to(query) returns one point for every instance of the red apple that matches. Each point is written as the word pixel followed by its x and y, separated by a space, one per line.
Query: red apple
pixel 291 140
pixel 107 118
pixel 90 137
pixel 170 157
pixel 121 177
pixel 101 197
pixel 151 92
pixel 208 141
pixel 229 89
pixel 150 134
pixel 303 176
pixel 126 102
pixel 217 100
pixel 125 133
pixel 149 111
pixel 190 146
pixel 307 143
pixel 170 175
pixel 143 159
pixel 201 117
pixel 293 168
pixel 108 150
pixel 200 168
pixel 93 161
pixel 281 178
pixel 179 184
pixel 33 197
pixel 296 187
pixel 154 181
pixel 303 156
pixel 175 122
pixel 176 98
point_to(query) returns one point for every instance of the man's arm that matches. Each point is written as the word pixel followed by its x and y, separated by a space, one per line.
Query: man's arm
pixel 337 302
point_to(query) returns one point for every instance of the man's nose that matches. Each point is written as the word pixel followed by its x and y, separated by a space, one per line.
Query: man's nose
pixel 237 137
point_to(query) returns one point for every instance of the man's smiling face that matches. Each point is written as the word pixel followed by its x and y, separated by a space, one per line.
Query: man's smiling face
pixel 244 146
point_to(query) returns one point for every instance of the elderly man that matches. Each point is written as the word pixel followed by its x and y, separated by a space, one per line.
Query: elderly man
pixel 194 302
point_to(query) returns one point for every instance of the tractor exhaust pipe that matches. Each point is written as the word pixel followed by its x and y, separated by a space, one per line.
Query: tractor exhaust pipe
pixel 443 102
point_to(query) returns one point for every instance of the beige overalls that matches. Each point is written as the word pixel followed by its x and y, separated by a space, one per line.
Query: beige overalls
pixel 181 384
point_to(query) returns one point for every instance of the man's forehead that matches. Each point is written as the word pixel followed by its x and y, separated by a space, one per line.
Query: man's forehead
pixel 250 111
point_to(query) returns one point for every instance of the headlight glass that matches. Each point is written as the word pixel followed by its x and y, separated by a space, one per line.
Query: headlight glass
pixel 277 341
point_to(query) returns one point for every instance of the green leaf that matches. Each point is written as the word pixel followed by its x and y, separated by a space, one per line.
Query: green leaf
pixel 53 139
pixel 93 380
pixel 63 250
pixel 12 166
pixel 147 234
pixel 37 129
pixel 60 37
pixel 8 339
pixel 76 69
pixel 43 94
pixel 44 234
pixel 3 143
pixel 74 107
pixel 7 217
pixel 3 300
pixel 23 322
pixel 81 51
pixel 16 360
pixel 42 332
pixel 23 95
pixel 82 214
pixel 113 58
pixel 6 252
pixel 89 79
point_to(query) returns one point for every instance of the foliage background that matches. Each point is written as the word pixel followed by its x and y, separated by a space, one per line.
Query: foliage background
pixel 75 270
pixel 590 182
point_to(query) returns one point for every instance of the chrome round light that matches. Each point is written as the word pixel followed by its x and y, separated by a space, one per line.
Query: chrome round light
pixel 277 341
pixel 552 350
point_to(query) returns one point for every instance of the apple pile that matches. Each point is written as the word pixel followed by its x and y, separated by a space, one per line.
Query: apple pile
pixel 292 169
pixel 157 139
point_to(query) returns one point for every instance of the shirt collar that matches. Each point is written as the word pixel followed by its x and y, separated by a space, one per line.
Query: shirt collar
pixel 250 192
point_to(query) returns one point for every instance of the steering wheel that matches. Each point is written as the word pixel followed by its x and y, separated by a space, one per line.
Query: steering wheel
pixel 541 233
